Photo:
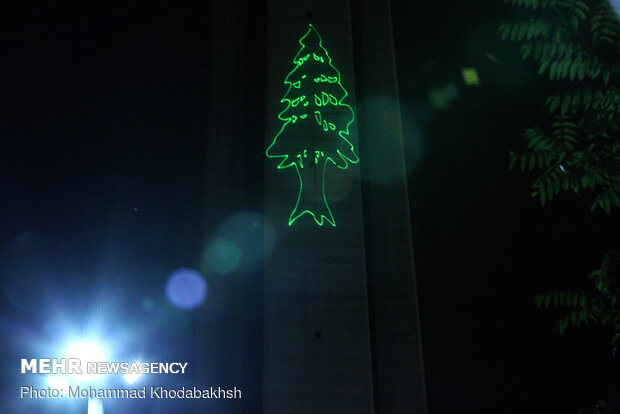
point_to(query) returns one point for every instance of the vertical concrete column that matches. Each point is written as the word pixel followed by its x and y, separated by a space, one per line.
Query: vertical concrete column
pixel 397 351
pixel 316 328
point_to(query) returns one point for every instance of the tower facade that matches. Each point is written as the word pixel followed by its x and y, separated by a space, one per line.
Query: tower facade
pixel 304 129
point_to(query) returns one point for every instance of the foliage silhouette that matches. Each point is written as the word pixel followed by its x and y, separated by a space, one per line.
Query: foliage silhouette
pixel 578 44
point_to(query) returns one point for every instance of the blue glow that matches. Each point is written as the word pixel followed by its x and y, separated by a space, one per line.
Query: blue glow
pixel 95 406
pixel 616 6
pixel 31 267
pixel 186 289
pixel 86 351
pixel 132 378
pixel 58 382
pixel 240 243
pixel 148 304
pixel 222 256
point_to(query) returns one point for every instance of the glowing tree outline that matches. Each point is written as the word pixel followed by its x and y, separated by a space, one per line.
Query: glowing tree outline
pixel 297 161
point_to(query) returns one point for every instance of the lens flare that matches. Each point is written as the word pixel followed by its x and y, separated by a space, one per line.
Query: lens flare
pixel 222 255
pixel 186 289
pixel 95 406
pixel 240 243
pixel 132 378
pixel 59 383
pixel 87 352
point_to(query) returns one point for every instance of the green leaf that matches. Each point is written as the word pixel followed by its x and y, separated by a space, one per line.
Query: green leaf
pixel 605 77
pixel 553 70
pixel 582 6
pixel 513 160
pixel 505 31
pixel 550 190
pixel 574 22
pixel 587 98
pixel 576 102
pixel 555 102
pixel 538 301
pixel 580 14
pixel 573 70
pixel 574 300
pixel 514 32
pixel 537 50
pixel 606 207
pixel 522 31
pixel 562 325
pixel 565 104
pixel 582 300
pixel 609 32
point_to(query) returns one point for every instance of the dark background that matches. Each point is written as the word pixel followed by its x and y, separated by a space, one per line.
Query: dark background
pixel 103 159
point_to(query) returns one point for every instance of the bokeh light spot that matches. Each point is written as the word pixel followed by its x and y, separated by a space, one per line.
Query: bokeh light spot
pixel 440 98
pixel 470 76
pixel 148 304
pixel 412 125
pixel 240 243
pixel 186 288
pixel 222 256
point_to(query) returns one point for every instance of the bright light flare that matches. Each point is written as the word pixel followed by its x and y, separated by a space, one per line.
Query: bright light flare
pixel 132 378
pixel 86 352
pixel 59 383
pixel 95 406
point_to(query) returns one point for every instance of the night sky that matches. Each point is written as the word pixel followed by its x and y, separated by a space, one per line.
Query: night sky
pixel 104 136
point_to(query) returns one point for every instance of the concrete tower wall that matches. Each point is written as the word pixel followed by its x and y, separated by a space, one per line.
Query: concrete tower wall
pixel 397 346
pixel 317 339
pixel 330 324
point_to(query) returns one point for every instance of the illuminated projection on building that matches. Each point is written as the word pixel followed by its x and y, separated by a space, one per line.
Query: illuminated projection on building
pixel 315 129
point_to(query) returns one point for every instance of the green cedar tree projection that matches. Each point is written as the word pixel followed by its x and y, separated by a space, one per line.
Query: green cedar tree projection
pixel 315 129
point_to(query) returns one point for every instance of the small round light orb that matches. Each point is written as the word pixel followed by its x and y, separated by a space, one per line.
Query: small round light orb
pixel 186 289
pixel 87 352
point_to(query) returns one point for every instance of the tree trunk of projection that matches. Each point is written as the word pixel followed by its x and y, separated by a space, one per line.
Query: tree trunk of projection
pixel 311 199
